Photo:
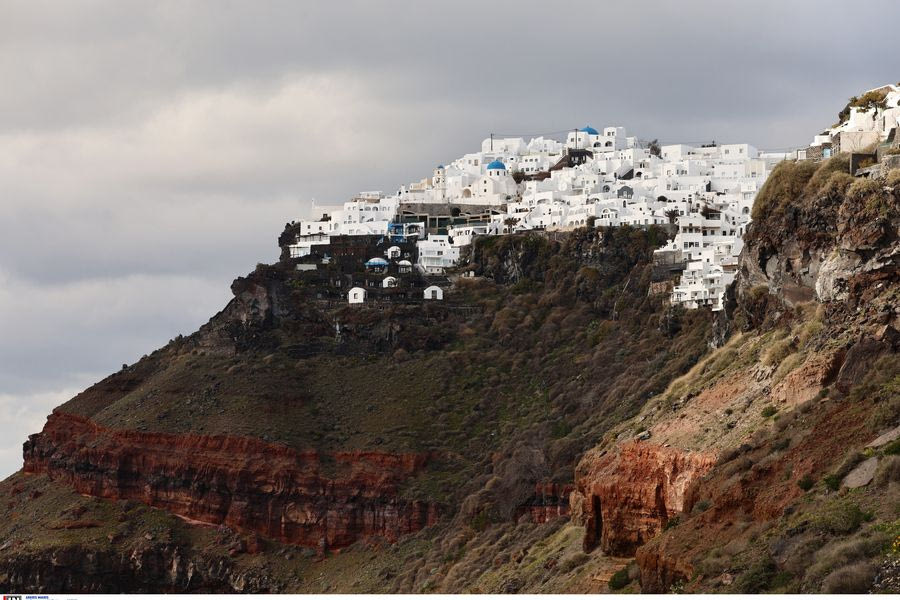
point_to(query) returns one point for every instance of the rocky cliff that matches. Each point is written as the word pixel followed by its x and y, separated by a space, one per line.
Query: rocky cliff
pixel 760 436
pixel 629 494
pixel 244 483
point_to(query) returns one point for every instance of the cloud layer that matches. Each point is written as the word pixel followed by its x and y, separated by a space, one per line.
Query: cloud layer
pixel 150 152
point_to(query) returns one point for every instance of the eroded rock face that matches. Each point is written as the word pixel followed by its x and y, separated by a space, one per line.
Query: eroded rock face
pixel 629 494
pixel 661 568
pixel 249 485
pixel 149 568
pixel 550 501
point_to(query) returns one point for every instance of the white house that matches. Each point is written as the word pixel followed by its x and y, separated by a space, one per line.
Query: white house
pixel 433 292
pixel 390 282
pixel 494 188
pixel 356 295
pixel 437 253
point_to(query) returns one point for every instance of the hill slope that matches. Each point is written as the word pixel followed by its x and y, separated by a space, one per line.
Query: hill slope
pixel 550 421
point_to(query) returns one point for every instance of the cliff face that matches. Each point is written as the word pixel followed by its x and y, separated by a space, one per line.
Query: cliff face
pixel 819 235
pixel 150 568
pixel 550 501
pixel 305 498
pixel 764 429
pixel 629 494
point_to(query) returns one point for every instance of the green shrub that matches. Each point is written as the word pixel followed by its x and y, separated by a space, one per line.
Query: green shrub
pixel 673 522
pixel 560 429
pixel 758 578
pixel 839 518
pixel 892 448
pixel 806 483
pixel 780 580
pixel 619 579
pixel 480 521
pixel 768 411
pixel 832 482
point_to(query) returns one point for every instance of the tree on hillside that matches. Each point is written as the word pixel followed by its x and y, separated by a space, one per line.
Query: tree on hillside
pixel 672 214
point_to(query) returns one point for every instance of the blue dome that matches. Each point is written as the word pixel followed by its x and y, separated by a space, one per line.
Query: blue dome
pixel 496 165
pixel 590 130
pixel 376 262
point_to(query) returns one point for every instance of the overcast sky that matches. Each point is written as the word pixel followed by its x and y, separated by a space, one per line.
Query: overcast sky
pixel 151 152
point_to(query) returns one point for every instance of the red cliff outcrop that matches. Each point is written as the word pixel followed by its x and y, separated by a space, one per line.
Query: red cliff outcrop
pixel 297 497
pixel 628 495
pixel 550 501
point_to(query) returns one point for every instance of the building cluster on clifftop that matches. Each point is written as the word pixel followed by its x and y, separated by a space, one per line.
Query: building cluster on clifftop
pixel 703 193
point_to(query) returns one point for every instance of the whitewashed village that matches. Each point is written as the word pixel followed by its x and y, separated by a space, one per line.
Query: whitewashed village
pixel 703 193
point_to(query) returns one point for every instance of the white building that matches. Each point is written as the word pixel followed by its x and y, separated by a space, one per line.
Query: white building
pixel 864 125
pixel 356 295
pixel 436 254
pixel 433 292
pixel 602 177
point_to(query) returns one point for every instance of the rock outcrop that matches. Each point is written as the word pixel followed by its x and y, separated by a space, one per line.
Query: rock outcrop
pixel 550 501
pixel 149 568
pixel 628 495
pixel 304 498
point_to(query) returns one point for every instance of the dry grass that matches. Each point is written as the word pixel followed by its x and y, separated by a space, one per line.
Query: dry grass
pixel 888 471
pixel 836 555
pixel 778 351
pixel 892 178
pixel 863 187
pixel 852 579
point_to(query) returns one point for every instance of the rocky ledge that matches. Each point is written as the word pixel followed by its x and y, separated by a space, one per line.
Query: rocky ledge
pixel 297 497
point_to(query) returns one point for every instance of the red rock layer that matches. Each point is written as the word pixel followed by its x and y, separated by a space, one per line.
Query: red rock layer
pixel 244 483
pixel 550 501
pixel 629 494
